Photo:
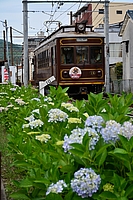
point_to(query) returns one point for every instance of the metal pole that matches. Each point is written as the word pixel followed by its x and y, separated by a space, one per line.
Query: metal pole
pixel 25 31
pixel 106 32
pixel 4 46
pixel 11 46
pixel 7 50
pixel 71 21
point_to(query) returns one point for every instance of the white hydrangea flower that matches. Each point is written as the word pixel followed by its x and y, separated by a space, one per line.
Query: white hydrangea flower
pixel 70 107
pixel 56 115
pixel 36 123
pixel 57 187
pixel 43 137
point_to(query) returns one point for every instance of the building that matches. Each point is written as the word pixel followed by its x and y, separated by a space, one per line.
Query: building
pixel 94 13
pixel 95 18
pixel 126 32
pixel 33 42
pixel 115 52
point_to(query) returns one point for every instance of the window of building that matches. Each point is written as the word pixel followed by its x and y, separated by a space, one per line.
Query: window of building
pixel 127 46
pixel 101 11
pixel 119 12
pixel 115 50
pixel 101 25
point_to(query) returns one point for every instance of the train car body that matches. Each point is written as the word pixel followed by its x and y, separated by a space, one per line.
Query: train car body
pixel 74 55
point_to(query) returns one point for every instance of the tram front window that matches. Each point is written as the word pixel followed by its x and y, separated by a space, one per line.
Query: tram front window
pixel 81 55
pixel 96 55
pixel 67 55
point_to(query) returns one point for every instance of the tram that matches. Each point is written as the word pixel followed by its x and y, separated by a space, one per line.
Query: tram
pixel 74 55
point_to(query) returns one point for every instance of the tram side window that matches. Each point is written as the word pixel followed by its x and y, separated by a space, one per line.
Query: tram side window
pixel 95 55
pixel 67 55
pixel 81 55
pixel 40 60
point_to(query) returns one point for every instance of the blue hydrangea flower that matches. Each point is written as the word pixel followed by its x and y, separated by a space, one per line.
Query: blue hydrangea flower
pixel 111 131
pixel 85 182
pixel 94 122
pixel 77 137
pixel 94 137
pixel 57 187
pixel 56 115
pixel 30 118
pixel 127 130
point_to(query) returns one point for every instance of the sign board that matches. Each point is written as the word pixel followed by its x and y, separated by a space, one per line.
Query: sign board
pixel 5 75
pixel 42 84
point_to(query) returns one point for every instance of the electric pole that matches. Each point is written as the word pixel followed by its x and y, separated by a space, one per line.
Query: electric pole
pixel 11 47
pixel 106 32
pixel 7 51
pixel 25 31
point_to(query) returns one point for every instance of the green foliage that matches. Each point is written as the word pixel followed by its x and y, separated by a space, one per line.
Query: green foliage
pixel 119 70
pixel 37 151
pixel 114 108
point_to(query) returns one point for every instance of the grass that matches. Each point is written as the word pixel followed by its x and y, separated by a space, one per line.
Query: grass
pixel 8 173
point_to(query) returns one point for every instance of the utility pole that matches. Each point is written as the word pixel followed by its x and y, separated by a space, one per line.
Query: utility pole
pixel 11 49
pixel 106 32
pixel 71 21
pixel 4 37
pixel 25 31
pixel 7 51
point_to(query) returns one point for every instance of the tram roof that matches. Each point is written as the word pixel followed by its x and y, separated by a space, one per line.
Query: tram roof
pixel 67 32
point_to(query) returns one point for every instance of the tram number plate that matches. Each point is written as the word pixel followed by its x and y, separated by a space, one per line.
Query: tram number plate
pixel 47 82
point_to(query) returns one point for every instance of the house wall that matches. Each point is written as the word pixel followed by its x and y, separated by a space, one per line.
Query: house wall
pixel 113 9
pixel 115 40
pixel 128 57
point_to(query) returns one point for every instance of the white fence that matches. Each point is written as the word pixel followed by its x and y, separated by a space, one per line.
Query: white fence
pixel 119 86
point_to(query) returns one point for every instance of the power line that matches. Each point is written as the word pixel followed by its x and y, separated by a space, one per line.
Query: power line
pixel 76 1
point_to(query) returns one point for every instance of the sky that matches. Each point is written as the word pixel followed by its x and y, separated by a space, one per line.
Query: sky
pixel 39 16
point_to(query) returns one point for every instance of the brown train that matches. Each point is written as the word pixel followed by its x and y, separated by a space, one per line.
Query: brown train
pixel 74 55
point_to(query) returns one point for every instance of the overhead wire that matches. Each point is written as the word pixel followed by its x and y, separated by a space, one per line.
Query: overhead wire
pixel 56 10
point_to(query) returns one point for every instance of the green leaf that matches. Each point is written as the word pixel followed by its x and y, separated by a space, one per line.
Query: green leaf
pixel 108 195
pixel 19 195
pixel 129 190
pixel 43 180
pixel 78 147
pixel 120 151
pixel 130 174
pixel 99 152
pixel 76 152
pixel 67 168
pixel 131 143
pixel 86 140
pixel 125 143
pixel 53 196
pixel 119 182
pixel 69 196
pixel 26 183
pixel 102 157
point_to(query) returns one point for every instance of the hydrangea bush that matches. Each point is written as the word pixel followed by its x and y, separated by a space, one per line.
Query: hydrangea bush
pixel 69 150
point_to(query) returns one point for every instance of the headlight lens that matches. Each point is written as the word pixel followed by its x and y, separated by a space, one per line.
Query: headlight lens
pixel 65 74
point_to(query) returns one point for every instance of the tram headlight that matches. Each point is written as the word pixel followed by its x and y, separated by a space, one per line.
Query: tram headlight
pixel 65 74
pixel 99 73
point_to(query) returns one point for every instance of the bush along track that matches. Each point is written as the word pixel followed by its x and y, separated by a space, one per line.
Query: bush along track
pixel 59 149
